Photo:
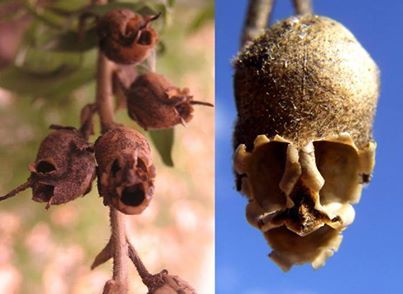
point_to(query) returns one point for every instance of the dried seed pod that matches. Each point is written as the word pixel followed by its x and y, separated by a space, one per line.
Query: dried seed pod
pixel 64 167
pixel 170 284
pixel 126 37
pixel 153 102
pixel 306 93
pixel 125 170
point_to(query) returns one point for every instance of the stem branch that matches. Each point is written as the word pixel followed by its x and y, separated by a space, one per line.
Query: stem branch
pixel 303 6
pixel 256 20
pixel 104 106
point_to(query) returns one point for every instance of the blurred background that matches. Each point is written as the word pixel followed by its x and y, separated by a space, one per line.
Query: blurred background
pixel 46 77
pixel 370 256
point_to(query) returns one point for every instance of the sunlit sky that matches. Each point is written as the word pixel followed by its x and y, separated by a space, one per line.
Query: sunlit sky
pixel 370 258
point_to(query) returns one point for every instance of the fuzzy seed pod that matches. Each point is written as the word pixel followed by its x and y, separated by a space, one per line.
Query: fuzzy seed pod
pixel 126 37
pixel 125 170
pixel 64 168
pixel 163 283
pixel 154 103
pixel 306 93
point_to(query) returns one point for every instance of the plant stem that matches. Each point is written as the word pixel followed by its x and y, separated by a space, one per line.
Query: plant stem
pixel 104 103
pixel 119 247
pixel 303 6
pixel 256 20
pixel 104 98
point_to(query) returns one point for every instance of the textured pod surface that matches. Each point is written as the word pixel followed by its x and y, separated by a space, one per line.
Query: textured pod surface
pixel 306 94
pixel 305 78
pixel 171 284
pixel 125 170
pixel 64 167
pixel 153 102
pixel 126 37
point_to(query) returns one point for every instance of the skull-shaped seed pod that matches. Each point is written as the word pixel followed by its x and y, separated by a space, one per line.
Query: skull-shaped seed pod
pixel 126 37
pixel 306 93
pixel 154 103
pixel 125 170
pixel 64 168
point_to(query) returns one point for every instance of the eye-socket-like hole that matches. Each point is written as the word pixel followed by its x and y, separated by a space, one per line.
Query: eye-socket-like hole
pixel 141 165
pixel 338 164
pixel 44 167
pixel 267 169
pixel 44 192
pixel 115 167
pixel 145 38
pixel 133 195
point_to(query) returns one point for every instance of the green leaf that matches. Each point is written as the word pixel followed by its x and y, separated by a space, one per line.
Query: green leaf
pixel 142 7
pixel 70 42
pixel 57 84
pixel 163 140
pixel 64 7
pixel 205 15
pixel 171 3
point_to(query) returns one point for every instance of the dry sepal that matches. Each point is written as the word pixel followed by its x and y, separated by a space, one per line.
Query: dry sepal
pixel 306 94
pixel 125 170
pixel 64 168
pixel 155 103
pixel 126 37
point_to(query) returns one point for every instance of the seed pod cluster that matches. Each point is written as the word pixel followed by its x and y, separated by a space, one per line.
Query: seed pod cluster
pixel 126 37
pixel 125 169
pixel 306 93
pixel 64 168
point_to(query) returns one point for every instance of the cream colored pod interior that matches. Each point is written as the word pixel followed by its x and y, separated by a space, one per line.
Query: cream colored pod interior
pixel 306 94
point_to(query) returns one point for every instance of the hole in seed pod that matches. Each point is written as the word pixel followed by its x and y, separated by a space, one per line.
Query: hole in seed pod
pixel 145 38
pixel 115 168
pixel 133 195
pixel 44 192
pixel 44 167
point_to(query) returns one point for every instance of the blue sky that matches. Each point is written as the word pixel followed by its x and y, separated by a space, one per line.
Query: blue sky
pixel 370 257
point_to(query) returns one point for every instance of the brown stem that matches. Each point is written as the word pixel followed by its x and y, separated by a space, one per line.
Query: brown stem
pixel 138 263
pixel 303 6
pixel 256 20
pixel 17 190
pixel 104 105
pixel 104 98
pixel 119 247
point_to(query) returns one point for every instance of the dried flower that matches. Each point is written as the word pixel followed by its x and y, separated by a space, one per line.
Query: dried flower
pixel 63 170
pixel 153 102
pixel 126 37
pixel 125 170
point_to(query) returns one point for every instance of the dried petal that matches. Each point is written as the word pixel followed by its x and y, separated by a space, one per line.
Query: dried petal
pixel 126 37
pixel 153 102
pixel 125 170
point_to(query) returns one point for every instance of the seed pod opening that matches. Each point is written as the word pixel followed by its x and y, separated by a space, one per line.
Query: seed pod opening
pixel 63 170
pixel 306 93
pixel 125 170
pixel 154 103
pixel 126 37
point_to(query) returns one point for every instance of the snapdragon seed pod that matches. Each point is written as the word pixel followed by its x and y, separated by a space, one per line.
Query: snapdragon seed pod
pixel 63 170
pixel 154 103
pixel 125 170
pixel 126 37
pixel 306 93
